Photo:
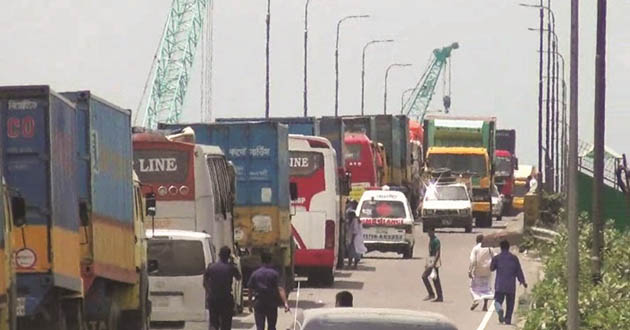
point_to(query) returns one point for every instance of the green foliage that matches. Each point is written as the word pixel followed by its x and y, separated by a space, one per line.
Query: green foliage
pixel 551 210
pixel 603 306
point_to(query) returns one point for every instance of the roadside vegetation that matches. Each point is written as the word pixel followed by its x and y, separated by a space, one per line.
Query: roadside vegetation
pixel 602 306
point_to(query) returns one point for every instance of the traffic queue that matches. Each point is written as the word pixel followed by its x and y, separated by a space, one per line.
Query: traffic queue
pixel 113 226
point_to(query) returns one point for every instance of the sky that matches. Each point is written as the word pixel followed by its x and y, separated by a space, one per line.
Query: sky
pixel 108 48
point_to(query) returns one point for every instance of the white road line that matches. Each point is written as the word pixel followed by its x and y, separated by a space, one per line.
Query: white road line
pixel 487 317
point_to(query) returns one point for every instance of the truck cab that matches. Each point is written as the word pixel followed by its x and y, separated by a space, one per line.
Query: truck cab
pixel 360 160
pixel 505 164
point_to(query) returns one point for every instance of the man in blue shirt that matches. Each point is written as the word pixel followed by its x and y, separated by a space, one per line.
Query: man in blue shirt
pixel 264 284
pixel 508 269
pixel 217 280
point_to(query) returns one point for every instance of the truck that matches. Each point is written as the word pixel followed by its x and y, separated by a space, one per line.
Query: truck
pixel 39 151
pixel 297 125
pixel 389 134
pixel 262 217
pixel 466 146
pixel 195 191
pixel 505 163
pixel 113 244
pixel 362 161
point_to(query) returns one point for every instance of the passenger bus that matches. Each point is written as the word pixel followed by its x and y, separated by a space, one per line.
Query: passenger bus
pixel 361 161
pixel 315 225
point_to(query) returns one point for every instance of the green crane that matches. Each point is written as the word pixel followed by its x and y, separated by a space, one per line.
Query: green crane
pixel 416 106
pixel 170 72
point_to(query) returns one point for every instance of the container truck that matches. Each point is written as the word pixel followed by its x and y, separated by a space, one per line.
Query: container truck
pixel 259 152
pixel 388 133
pixel 195 187
pixel 361 160
pixel 113 244
pixel 39 159
pixel 297 125
pixel 465 145
pixel 505 163
pixel 360 124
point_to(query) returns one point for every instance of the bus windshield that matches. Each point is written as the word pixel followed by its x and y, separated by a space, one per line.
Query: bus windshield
pixel 177 257
pixel 459 163
pixel 503 166
pixel 353 152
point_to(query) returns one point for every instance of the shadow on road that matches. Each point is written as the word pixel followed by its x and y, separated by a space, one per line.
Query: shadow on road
pixel 238 324
pixel 306 304
pixel 348 285
pixel 344 274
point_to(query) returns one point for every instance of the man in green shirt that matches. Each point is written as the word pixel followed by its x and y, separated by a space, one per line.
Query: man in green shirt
pixel 433 264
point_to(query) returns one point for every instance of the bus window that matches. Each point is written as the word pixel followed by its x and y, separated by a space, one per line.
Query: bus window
pixel 215 177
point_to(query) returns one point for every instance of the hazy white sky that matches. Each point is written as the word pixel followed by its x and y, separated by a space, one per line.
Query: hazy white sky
pixel 108 46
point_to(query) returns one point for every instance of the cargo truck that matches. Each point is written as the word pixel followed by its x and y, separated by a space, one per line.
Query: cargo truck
pixel 113 244
pixel 505 163
pixel 361 160
pixel 262 218
pixel 297 125
pixel 465 145
pixel 39 152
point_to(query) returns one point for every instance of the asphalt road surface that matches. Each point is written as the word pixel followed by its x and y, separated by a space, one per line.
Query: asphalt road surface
pixel 386 280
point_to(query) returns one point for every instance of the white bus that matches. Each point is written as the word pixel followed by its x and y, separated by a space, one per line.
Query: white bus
pixel 313 168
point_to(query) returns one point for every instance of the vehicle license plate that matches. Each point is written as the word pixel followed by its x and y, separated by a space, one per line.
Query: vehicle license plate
pixel 20 308
pixel 384 234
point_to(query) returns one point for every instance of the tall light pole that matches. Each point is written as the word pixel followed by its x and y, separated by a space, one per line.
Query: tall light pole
pixel 389 68
pixel 268 21
pixel 363 69
pixel 403 98
pixel 337 58
pixel 306 57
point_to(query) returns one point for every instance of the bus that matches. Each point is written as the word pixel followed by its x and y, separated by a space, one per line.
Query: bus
pixel 315 225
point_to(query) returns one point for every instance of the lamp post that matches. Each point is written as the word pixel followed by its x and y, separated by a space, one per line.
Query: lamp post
pixel 337 58
pixel 306 57
pixel 268 22
pixel 363 69
pixel 403 98
pixel 389 68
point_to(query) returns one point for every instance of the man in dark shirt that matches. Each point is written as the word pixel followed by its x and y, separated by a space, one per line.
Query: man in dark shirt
pixel 217 280
pixel 343 299
pixel 433 263
pixel 264 284
pixel 508 269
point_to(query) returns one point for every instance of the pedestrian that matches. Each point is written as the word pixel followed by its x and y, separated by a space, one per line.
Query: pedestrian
pixel 480 274
pixel 533 184
pixel 356 247
pixel 431 269
pixel 264 285
pixel 217 281
pixel 508 269
pixel 343 299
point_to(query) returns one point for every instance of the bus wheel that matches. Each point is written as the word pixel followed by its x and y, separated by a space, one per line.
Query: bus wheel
pixel 328 276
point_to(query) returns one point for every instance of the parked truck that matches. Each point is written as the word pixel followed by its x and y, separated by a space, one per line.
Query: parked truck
pixel 113 243
pixel 297 125
pixel 259 152
pixel 39 152
pixel 465 145
pixel 505 163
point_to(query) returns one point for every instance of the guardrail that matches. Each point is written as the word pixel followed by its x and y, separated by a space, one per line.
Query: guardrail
pixel 543 234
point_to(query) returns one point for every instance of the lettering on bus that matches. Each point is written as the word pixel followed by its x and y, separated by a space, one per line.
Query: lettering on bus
pixel 305 163
pixel 20 127
pixel 155 165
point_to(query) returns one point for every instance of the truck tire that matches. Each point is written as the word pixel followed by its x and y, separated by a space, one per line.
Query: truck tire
pixel 408 253
pixel 425 228
pixel 484 221
pixel 73 311
pixel 468 228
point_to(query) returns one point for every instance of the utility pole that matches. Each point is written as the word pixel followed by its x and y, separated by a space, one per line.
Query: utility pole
pixel 573 261
pixel 548 178
pixel 306 57
pixel 598 141
pixel 540 100
pixel 268 21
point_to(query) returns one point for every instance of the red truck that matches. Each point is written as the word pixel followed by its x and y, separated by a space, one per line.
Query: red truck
pixel 505 163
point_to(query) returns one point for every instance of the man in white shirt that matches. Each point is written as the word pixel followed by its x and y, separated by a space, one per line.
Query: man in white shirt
pixel 480 274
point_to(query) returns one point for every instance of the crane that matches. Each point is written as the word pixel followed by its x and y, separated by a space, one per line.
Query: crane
pixel 416 106
pixel 170 71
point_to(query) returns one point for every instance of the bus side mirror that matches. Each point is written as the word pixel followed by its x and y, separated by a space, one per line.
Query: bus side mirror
pixel 153 266
pixel 150 204
pixel 18 206
pixel 293 190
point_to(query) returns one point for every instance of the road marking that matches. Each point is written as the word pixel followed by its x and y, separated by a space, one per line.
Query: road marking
pixel 486 317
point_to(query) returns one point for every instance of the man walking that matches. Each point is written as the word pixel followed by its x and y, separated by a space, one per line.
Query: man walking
pixel 508 269
pixel 432 268
pixel 479 273
pixel 217 280
pixel 264 283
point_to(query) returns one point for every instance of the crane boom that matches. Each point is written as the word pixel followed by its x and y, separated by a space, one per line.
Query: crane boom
pixel 416 106
pixel 168 82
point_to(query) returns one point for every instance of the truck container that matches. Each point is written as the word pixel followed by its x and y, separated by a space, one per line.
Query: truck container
pixel 505 163
pixel 259 152
pixel 39 152
pixel 506 140
pixel 361 124
pixel 297 125
pixel 110 269
pixel 466 146
pixel 388 133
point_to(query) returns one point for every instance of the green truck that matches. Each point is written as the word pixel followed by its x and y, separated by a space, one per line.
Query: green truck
pixel 465 145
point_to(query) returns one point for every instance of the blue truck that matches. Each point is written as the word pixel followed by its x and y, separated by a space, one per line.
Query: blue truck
pixel 259 152
pixel 39 152
pixel 297 125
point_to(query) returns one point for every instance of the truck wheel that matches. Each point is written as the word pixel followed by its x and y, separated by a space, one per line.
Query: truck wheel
pixel 408 253
pixel 425 228
pixel 328 277
pixel 468 228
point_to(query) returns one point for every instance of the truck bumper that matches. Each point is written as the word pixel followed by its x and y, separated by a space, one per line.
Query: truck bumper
pixel 482 207
pixel 307 258
pixel 34 292
pixel 398 247
pixel 447 222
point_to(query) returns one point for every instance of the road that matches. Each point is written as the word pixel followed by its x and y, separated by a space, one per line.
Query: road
pixel 386 280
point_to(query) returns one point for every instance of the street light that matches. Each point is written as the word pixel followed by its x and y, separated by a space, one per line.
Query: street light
pixel 403 98
pixel 306 57
pixel 363 69
pixel 391 66
pixel 337 58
